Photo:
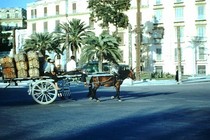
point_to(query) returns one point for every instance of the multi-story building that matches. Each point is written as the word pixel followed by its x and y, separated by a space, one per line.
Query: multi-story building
pixel 13 20
pixel 166 24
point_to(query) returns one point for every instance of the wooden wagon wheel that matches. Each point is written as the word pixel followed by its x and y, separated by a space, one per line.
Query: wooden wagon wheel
pixel 44 92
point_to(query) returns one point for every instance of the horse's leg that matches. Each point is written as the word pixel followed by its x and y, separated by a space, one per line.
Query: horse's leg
pixel 94 93
pixel 118 93
pixel 90 91
pixel 117 87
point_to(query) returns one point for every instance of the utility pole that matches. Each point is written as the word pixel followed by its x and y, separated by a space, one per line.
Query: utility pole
pixel 138 40
pixel 179 56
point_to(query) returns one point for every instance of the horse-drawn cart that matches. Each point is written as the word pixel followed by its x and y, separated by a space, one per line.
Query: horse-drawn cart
pixel 43 90
pixel 26 68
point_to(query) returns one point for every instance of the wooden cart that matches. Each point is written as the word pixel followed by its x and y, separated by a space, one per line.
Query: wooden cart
pixel 28 67
pixel 43 90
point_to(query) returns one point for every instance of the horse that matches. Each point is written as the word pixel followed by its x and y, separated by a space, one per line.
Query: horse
pixel 108 81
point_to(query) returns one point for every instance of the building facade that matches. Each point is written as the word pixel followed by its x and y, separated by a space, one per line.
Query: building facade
pixel 165 24
pixel 13 20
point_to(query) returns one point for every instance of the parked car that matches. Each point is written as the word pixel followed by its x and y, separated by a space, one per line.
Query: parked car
pixel 92 67
pixel 124 67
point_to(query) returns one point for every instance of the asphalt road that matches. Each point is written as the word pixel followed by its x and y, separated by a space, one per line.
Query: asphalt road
pixel 172 112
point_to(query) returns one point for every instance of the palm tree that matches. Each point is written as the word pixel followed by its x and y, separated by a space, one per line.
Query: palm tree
pixel 43 42
pixel 72 37
pixel 103 47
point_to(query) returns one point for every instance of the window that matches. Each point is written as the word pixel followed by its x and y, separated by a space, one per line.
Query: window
pixel 158 54
pixel 178 1
pixel 181 33
pixel 145 3
pixel 200 12
pixel 159 69
pixel 176 54
pixel 158 16
pixel 202 69
pixel 121 36
pixel 201 51
pixel 158 2
pixel 8 16
pixel 33 13
pixel 57 28
pixel 16 15
pixel 45 11
pixel 201 31
pixel 57 9
pixel 91 23
pixel 34 28
pixel 74 8
pixel 179 14
pixel 45 27
pixel 182 69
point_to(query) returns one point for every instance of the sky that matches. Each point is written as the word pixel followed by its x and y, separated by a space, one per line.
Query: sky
pixel 14 3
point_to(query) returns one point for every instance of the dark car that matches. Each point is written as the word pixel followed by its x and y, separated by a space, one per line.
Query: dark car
pixel 124 67
pixel 92 67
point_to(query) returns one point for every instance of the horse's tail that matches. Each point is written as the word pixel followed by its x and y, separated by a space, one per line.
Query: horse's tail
pixel 91 81
pixel 90 87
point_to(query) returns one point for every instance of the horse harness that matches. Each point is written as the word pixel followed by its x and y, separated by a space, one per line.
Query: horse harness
pixel 108 81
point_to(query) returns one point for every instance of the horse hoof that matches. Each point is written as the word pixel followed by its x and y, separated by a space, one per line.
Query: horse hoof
pixel 90 98
pixel 112 97
pixel 120 100
pixel 98 101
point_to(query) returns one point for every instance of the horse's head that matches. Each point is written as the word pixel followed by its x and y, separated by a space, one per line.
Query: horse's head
pixel 131 74
pixel 126 72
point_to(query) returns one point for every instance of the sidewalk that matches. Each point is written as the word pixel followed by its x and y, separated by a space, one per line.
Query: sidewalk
pixel 129 82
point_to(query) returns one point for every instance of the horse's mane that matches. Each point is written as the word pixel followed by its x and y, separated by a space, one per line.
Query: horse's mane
pixel 123 74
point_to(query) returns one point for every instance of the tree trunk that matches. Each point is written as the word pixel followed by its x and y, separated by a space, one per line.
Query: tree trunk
pixel 100 61
pixel 138 41
pixel 67 48
pixel 179 56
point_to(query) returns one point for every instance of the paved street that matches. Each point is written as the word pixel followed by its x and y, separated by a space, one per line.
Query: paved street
pixel 146 112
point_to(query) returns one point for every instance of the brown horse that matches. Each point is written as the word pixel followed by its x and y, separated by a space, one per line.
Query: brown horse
pixel 109 80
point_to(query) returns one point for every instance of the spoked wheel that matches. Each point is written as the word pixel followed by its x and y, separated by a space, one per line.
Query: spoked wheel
pixel 44 92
